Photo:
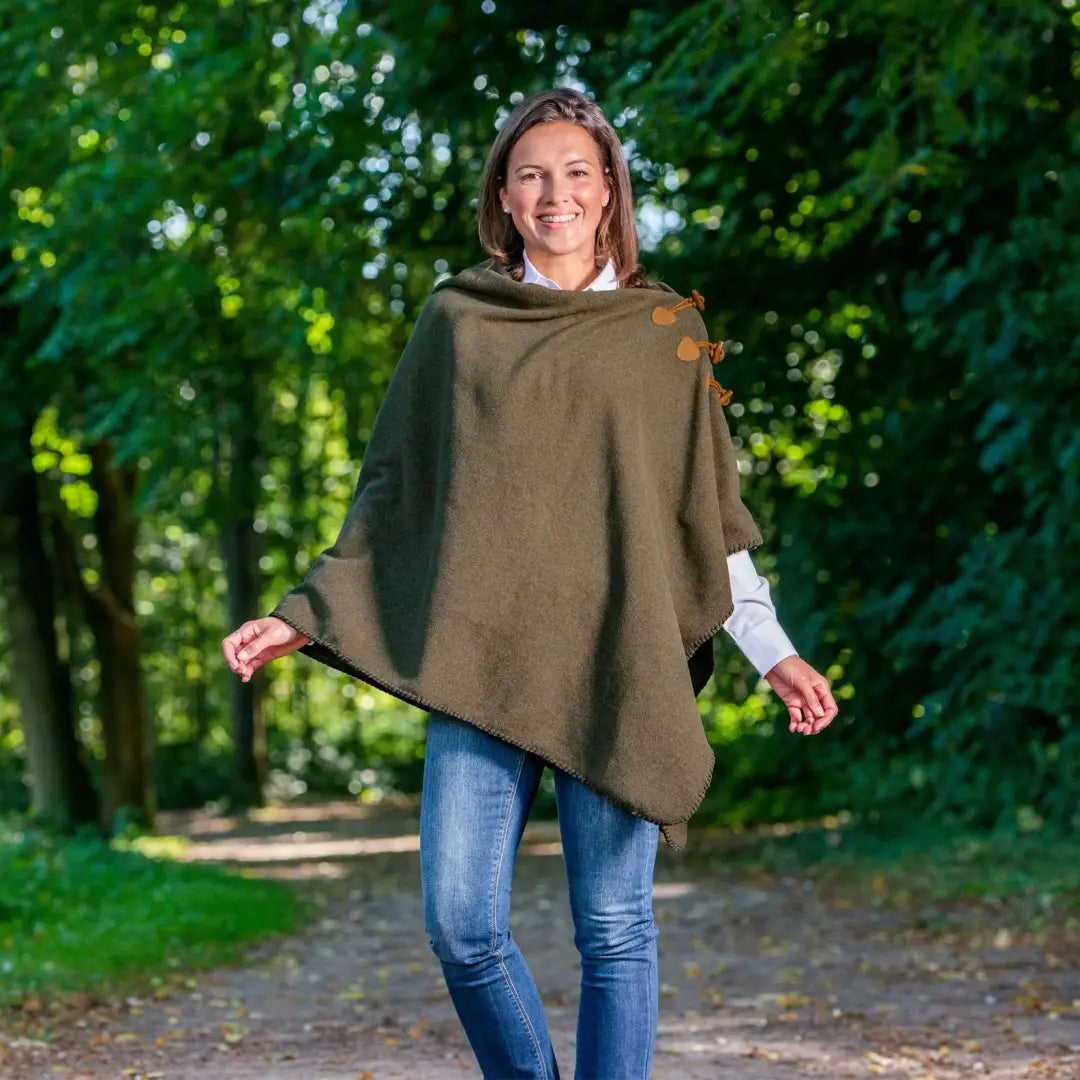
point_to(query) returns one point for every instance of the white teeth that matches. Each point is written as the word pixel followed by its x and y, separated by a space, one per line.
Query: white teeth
pixel 557 217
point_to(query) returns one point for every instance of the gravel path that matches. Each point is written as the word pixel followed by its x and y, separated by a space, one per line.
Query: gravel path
pixel 765 975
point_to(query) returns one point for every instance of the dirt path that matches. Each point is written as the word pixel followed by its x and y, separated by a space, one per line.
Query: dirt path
pixel 765 976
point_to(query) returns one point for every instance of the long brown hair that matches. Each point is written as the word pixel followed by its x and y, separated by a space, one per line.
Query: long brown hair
pixel 616 235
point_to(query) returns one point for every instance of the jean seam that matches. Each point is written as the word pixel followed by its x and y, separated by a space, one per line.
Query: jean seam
pixel 495 922
pixel 647 896
pixel 646 893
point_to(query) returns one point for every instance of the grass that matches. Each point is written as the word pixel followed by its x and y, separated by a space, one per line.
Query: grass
pixel 1035 875
pixel 80 915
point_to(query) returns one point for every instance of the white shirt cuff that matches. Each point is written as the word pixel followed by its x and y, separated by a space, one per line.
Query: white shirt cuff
pixel 753 624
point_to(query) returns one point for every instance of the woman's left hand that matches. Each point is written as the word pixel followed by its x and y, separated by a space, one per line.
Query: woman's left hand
pixel 806 694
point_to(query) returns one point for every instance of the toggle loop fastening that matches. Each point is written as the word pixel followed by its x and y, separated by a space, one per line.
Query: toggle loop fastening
pixel 688 348
pixel 665 316
pixel 723 395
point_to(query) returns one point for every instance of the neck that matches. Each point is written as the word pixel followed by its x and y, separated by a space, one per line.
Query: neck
pixel 572 271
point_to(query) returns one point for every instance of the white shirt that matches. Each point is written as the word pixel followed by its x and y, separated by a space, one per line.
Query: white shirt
pixel 753 624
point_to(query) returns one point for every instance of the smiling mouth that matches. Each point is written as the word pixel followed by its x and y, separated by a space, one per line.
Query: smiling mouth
pixel 556 219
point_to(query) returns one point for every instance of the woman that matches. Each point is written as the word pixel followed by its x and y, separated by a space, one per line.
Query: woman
pixel 546 534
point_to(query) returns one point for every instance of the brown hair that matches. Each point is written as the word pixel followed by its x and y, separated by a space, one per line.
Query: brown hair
pixel 616 235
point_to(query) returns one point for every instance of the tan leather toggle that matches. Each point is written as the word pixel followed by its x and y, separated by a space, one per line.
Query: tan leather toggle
pixel 688 349
pixel 721 393
pixel 665 316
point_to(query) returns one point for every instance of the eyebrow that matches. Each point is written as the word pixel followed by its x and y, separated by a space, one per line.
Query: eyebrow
pixel 574 161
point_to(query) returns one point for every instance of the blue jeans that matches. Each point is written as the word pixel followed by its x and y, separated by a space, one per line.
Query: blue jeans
pixel 477 794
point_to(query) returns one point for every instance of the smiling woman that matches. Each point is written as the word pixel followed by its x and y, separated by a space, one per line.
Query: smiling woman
pixel 556 186
pixel 555 191
pixel 539 554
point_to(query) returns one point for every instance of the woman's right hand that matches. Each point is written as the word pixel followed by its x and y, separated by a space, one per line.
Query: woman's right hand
pixel 258 642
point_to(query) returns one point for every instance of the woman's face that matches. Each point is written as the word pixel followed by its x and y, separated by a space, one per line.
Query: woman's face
pixel 555 190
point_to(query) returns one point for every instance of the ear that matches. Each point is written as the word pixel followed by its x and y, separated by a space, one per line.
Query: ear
pixel 502 196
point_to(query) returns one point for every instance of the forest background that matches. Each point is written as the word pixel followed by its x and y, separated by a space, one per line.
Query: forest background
pixel 218 222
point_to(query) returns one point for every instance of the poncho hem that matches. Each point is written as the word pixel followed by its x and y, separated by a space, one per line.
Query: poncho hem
pixel 351 667
pixel 750 544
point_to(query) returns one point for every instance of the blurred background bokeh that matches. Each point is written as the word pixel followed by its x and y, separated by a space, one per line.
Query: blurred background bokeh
pixel 219 221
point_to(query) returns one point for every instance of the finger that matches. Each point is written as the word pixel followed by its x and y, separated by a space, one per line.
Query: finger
pixel 253 647
pixel 828 706
pixel 269 649
pixel 821 723
pixel 255 640
pixel 259 661
pixel 812 695
pixel 229 647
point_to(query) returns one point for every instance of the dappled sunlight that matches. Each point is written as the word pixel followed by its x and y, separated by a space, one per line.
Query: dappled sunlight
pixel 551 847
pixel 299 872
pixel 347 811
pixel 298 848
pixel 334 818
pixel 672 890
pixel 263 835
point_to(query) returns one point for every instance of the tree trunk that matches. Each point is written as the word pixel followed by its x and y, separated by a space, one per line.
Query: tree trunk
pixel 303 532
pixel 60 787
pixel 111 613
pixel 201 712
pixel 242 575
pixel 300 706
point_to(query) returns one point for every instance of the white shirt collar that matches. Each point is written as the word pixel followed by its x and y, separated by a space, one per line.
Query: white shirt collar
pixel 606 279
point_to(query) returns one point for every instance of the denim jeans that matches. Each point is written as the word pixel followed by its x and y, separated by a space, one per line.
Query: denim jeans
pixel 477 794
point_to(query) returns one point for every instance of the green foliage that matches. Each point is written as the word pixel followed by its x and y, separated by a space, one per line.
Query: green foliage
pixel 878 202
pixel 80 915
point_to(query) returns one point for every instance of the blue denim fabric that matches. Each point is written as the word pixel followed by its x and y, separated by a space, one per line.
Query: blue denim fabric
pixel 476 798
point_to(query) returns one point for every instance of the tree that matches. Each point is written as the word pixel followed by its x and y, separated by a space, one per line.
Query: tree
pixel 876 204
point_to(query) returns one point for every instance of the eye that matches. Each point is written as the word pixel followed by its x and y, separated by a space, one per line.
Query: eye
pixel 527 176
pixel 579 172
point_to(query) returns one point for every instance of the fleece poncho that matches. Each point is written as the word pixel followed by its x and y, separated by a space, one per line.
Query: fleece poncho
pixel 539 536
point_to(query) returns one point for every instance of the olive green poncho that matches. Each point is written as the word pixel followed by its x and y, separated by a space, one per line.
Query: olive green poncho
pixel 539 536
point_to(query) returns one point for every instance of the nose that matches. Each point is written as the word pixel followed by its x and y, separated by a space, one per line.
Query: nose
pixel 556 190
